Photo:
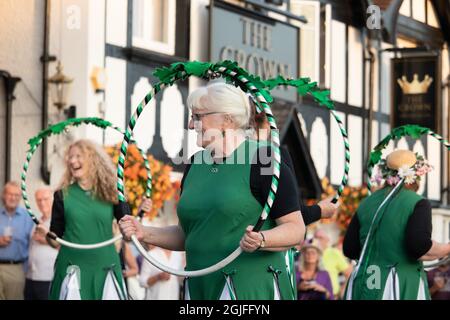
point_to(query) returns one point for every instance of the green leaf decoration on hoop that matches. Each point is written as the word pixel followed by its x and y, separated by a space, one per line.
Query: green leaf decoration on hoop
pixel 412 130
pixel 59 127
pixel 167 75
pixel 256 81
pixel 304 86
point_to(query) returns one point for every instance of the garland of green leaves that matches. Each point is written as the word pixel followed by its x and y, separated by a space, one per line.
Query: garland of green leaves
pixel 415 132
pixel 57 129
pixel 305 86
pixel 232 74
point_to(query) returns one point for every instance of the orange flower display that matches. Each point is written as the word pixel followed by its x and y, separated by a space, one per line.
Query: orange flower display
pixel 348 202
pixel 135 178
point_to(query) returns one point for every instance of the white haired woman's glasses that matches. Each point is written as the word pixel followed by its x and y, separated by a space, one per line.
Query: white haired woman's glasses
pixel 198 116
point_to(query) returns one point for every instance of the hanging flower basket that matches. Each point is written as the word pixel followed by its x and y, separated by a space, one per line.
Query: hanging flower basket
pixel 136 178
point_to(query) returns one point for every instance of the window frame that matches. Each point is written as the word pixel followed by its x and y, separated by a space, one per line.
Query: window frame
pixel 144 42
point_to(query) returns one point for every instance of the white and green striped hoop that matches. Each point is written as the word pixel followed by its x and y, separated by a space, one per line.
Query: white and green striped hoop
pixel 305 86
pixel 59 128
pixel 415 132
pixel 239 77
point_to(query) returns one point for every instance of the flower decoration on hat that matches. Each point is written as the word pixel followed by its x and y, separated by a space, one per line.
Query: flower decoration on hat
pixel 402 164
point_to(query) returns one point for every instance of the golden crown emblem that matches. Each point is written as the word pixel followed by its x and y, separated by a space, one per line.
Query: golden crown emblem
pixel 415 86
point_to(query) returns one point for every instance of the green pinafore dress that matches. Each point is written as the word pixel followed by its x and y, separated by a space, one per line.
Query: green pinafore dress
pixel 214 210
pixel 385 271
pixel 87 221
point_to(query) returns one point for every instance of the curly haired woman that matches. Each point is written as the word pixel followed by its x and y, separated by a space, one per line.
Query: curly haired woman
pixel 83 211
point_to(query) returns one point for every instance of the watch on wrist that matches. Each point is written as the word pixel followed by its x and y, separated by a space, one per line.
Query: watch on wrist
pixel 263 241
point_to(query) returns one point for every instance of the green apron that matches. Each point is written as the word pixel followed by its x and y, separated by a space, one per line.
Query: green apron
pixel 386 271
pixel 214 210
pixel 87 221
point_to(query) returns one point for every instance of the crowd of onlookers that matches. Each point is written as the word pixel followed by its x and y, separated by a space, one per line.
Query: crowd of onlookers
pixel 26 261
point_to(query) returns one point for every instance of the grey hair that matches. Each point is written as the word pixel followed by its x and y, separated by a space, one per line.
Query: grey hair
pixel 224 98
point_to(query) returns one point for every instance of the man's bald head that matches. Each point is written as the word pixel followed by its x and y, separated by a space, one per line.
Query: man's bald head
pixel 44 201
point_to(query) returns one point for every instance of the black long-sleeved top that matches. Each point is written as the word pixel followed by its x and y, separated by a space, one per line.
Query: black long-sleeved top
pixel 417 234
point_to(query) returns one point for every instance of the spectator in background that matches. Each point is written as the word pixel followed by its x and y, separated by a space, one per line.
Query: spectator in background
pixel 334 262
pixel 313 283
pixel 439 282
pixel 15 230
pixel 41 255
pixel 161 285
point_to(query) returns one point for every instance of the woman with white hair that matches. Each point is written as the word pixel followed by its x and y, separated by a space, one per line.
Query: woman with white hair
pixel 224 189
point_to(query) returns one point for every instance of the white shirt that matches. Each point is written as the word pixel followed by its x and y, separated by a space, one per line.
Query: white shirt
pixel 41 259
pixel 161 290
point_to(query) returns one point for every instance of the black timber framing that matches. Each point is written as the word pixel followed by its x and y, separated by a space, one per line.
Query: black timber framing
pixel 292 137
pixel 419 32
pixel 141 63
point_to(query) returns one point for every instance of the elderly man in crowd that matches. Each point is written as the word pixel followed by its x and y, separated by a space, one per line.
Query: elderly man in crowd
pixel 15 230
pixel 41 255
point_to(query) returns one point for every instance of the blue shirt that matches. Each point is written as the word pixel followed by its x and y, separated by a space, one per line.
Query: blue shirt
pixel 21 224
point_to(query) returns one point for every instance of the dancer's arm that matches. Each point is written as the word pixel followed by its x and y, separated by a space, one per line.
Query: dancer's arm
pixel 57 222
pixel 419 244
pixel 171 238
pixel 437 251
pixel 289 232
pixel 352 245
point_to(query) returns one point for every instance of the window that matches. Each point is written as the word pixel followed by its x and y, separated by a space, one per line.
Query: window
pixel 309 37
pixel 154 25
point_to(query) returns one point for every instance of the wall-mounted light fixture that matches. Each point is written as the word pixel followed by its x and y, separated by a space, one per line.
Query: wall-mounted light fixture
pixel 98 79
pixel 59 86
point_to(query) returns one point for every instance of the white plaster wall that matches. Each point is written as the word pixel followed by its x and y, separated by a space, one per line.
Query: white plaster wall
pixel 385 87
pixel 116 21
pixel 172 118
pixel 115 96
pixel 145 127
pixel 434 177
pixel 355 67
pixel 355 139
pixel 375 137
pixel 319 149
pixel 338 61
pixel 21 37
pixel 441 224
pixel 418 147
pixel 337 151
pixel 198 48
pixel 96 56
